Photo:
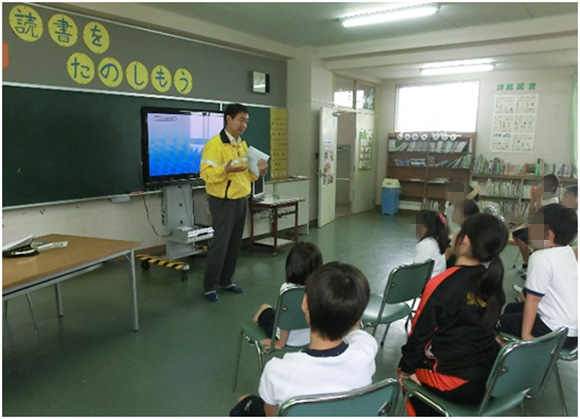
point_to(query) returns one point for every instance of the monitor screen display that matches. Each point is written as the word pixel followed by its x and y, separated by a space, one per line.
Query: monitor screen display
pixel 173 141
pixel 258 188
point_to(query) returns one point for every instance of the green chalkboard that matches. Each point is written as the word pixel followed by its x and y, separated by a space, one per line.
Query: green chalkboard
pixel 63 145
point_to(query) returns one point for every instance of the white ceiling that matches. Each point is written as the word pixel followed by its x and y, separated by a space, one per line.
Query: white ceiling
pixel 516 35
pixel 318 24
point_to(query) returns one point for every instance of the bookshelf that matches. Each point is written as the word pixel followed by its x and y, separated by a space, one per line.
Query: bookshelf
pixel 510 185
pixel 425 161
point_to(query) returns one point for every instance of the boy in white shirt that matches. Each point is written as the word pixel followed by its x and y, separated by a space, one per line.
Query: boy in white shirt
pixel 340 356
pixel 544 194
pixel 551 291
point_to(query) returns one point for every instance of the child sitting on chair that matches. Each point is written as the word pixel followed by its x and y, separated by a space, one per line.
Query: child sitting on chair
pixel 551 292
pixel 432 235
pixel 544 194
pixel 451 347
pixel 340 357
pixel 302 260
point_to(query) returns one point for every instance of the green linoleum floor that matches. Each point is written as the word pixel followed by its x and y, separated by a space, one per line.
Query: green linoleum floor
pixel 180 363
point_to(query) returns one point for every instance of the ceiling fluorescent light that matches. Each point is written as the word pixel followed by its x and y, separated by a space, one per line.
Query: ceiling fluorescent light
pixel 459 62
pixel 459 69
pixel 389 16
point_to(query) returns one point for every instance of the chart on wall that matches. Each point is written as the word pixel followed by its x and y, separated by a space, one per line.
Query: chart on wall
pixel 514 120
pixel 365 149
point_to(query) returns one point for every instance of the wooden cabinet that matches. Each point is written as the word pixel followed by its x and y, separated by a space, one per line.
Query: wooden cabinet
pixel 425 161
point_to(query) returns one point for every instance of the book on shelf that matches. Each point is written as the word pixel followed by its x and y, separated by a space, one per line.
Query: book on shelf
pixel 430 204
pixel 463 162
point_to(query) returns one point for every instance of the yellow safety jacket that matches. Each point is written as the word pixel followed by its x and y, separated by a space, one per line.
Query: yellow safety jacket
pixel 216 154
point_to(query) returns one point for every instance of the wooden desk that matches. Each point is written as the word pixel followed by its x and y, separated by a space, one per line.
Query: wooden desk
pixel 51 267
pixel 274 205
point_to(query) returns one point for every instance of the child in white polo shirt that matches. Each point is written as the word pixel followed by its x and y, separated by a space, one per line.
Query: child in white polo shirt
pixel 551 291
pixel 340 356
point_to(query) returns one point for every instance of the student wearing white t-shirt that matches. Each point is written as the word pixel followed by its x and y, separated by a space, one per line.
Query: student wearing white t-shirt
pixel 431 231
pixel 551 291
pixel 340 356
pixel 303 259
pixel 544 194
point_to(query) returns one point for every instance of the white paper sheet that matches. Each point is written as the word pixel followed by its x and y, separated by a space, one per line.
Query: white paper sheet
pixel 254 155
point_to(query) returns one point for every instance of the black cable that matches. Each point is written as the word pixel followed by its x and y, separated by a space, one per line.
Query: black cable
pixel 149 219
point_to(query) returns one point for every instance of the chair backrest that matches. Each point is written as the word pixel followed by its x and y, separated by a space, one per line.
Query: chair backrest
pixel 289 314
pixel 375 400
pixel 406 282
pixel 522 365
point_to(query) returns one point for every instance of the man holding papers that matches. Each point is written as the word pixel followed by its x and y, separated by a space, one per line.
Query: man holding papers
pixel 224 167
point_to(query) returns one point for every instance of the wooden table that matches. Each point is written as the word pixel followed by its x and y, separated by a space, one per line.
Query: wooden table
pixel 22 275
pixel 278 207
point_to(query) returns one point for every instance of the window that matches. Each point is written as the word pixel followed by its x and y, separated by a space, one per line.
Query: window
pixel 365 96
pixel 437 107
pixel 343 92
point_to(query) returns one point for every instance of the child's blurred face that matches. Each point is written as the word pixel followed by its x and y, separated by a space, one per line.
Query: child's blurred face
pixel 457 216
pixel 454 197
pixel 570 200
pixel 420 230
pixel 537 235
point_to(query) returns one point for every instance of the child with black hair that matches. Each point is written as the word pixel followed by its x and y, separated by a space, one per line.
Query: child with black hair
pixel 303 259
pixel 340 357
pixel 431 231
pixel 544 194
pixel 451 347
pixel 461 211
pixel 551 292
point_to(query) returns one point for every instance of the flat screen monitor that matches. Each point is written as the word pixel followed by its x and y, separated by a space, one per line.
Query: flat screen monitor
pixel 173 141
pixel 258 188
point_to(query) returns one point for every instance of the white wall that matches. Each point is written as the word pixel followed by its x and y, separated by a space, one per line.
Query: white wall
pixel 309 88
pixel 98 218
pixel 552 136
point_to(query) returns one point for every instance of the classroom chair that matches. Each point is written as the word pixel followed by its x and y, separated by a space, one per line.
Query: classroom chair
pixel 405 283
pixel 519 367
pixel 565 354
pixel 378 399
pixel 289 316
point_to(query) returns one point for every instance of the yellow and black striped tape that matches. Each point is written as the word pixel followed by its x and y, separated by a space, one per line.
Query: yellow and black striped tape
pixel 167 263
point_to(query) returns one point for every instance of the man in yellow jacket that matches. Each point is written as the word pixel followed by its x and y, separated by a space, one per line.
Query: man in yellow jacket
pixel 224 167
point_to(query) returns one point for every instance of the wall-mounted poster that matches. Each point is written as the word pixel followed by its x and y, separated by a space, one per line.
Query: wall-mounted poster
pixel 365 149
pixel 514 122
pixel 329 162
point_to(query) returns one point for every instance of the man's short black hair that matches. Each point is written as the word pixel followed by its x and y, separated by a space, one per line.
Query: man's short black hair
pixel 337 295
pixel 233 109
pixel 551 183
pixel 573 190
pixel 561 220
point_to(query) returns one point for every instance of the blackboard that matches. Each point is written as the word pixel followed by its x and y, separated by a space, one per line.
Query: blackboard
pixel 65 145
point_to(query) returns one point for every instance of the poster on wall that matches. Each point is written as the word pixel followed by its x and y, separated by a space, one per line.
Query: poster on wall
pixel 329 160
pixel 514 122
pixel 365 149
